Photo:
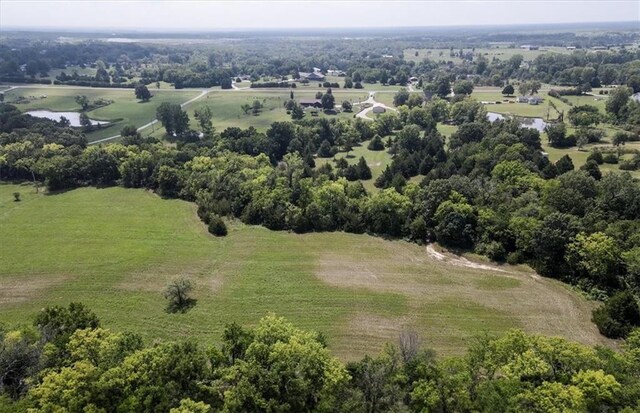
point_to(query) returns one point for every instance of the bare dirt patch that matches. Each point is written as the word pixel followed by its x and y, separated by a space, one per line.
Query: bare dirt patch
pixel 428 278
pixel 21 289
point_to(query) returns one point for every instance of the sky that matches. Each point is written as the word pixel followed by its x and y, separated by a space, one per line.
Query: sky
pixel 159 15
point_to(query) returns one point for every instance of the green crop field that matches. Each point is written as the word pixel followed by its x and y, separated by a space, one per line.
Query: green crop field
pixel 125 109
pixel 116 249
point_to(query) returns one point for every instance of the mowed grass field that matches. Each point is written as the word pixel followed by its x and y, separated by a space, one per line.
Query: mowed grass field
pixel 227 112
pixel 116 249
pixel 125 109
pixel 500 53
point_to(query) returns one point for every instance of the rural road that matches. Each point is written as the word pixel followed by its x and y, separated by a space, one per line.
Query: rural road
pixel 371 100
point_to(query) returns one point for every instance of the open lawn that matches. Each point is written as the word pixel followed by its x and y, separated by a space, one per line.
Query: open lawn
pixel 125 109
pixel 227 112
pixel 579 157
pixel 377 161
pixel 116 249
pixel 386 98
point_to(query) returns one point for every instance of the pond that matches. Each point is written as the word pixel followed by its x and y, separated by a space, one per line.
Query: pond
pixel 533 123
pixel 74 117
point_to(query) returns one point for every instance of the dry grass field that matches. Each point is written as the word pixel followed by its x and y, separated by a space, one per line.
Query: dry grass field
pixel 116 249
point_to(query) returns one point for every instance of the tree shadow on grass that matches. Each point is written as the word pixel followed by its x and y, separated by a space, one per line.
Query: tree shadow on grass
pixel 187 304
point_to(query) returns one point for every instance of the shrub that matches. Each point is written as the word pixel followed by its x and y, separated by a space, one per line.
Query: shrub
pixel 493 250
pixel 16 196
pixel 610 158
pixel 217 226
pixel 514 258
pixel 596 156
pixel 628 165
pixel 618 316
pixel 376 144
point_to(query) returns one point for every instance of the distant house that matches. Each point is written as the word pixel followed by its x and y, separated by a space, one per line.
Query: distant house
pixel 599 48
pixel 535 100
pixel 379 109
pixel 571 48
pixel 413 79
pixel 532 100
pixel 310 103
pixel 336 73
pixel 636 97
pixel 316 76
pixel 529 47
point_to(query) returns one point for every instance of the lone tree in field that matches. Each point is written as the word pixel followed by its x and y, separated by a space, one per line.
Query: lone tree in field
pixel 177 293
pixel 508 90
pixel 142 93
pixel 83 101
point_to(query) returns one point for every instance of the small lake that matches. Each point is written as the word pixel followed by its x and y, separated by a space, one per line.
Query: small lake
pixel 533 123
pixel 74 117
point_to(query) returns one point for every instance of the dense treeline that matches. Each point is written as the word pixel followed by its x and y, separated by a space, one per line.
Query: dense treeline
pixel 368 59
pixel 66 362
pixel 490 189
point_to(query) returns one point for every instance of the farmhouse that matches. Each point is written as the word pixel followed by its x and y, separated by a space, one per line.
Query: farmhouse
pixel 532 100
pixel 310 103
pixel 529 47
pixel 535 100
pixel 331 72
pixel 317 76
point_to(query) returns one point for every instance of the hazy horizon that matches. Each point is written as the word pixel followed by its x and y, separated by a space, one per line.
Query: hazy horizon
pixel 197 16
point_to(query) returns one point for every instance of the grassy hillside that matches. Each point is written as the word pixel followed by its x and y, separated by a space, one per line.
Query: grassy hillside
pixel 116 249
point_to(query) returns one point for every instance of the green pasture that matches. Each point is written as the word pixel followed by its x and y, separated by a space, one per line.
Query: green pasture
pixel 116 249
pixel 579 157
pixel 125 109
pixel 227 112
